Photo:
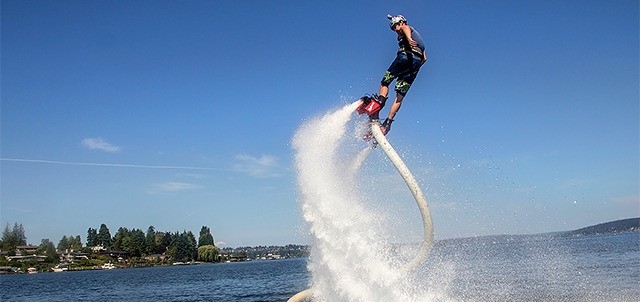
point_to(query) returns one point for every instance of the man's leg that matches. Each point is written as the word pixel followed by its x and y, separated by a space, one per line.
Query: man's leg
pixel 397 103
pixel 403 83
pixel 384 90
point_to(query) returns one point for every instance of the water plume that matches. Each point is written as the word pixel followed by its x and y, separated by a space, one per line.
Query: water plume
pixel 350 259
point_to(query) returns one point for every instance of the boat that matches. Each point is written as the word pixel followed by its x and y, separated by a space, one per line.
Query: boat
pixel 108 266
pixel 32 270
pixel 59 269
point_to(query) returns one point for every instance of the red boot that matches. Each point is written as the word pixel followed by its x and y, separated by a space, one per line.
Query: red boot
pixel 371 105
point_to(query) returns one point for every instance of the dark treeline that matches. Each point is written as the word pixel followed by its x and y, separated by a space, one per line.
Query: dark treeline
pixel 179 246
pixel 130 243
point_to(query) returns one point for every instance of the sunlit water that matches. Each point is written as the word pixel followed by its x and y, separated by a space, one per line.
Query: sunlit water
pixel 549 267
pixel 507 268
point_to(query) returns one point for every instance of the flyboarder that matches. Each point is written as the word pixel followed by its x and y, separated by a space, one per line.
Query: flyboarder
pixel 410 56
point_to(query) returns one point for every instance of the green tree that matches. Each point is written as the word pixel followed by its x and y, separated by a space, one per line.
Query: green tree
pixel 119 238
pixel 205 237
pixel 161 245
pixel 92 237
pixel 183 247
pixel 12 238
pixel 172 248
pixel 47 248
pixel 138 243
pixel 150 241
pixel 75 243
pixel 166 242
pixel 132 241
pixel 104 237
pixel 70 243
pixel 63 244
pixel 209 253
pixel 127 245
pixel 192 246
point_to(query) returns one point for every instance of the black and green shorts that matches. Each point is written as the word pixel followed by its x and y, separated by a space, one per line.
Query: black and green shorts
pixel 404 70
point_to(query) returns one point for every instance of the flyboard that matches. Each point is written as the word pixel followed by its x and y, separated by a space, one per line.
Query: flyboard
pixel 371 107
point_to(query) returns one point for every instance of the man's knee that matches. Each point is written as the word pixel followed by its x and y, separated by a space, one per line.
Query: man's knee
pixel 387 78
pixel 402 87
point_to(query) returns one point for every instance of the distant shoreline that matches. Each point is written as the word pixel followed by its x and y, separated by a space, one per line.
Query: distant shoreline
pixel 618 226
pixel 629 225
pixel 260 253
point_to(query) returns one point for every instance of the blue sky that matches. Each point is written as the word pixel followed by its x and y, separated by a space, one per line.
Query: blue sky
pixel 179 114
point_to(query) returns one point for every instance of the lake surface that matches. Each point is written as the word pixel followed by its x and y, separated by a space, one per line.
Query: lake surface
pixel 500 268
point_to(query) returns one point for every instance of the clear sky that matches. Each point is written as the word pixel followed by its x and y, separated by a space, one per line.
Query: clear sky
pixel 180 114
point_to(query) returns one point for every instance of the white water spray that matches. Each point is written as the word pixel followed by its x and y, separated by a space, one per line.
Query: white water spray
pixel 350 259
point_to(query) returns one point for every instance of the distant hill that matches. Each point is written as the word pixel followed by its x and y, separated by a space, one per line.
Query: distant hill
pixel 618 226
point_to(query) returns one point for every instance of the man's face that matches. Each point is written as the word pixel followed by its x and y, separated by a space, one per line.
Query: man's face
pixel 396 27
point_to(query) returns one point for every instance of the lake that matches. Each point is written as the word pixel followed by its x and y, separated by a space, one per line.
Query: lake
pixel 498 268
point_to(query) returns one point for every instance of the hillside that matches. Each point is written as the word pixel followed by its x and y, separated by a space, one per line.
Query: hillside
pixel 618 226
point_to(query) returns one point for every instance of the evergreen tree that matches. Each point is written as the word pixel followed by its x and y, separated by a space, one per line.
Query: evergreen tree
pixel 150 241
pixel 119 238
pixel 92 237
pixel 183 247
pixel 63 244
pixel 104 237
pixel 172 249
pixel 161 245
pixel 70 243
pixel 192 246
pixel 128 245
pixel 12 238
pixel 167 239
pixel 47 248
pixel 205 237
pixel 138 243
pixel 18 231
pixel 76 244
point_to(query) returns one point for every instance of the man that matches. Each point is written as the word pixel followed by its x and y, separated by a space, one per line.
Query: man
pixel 404 69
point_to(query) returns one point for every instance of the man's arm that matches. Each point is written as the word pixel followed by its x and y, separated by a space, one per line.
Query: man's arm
pixel 406 31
